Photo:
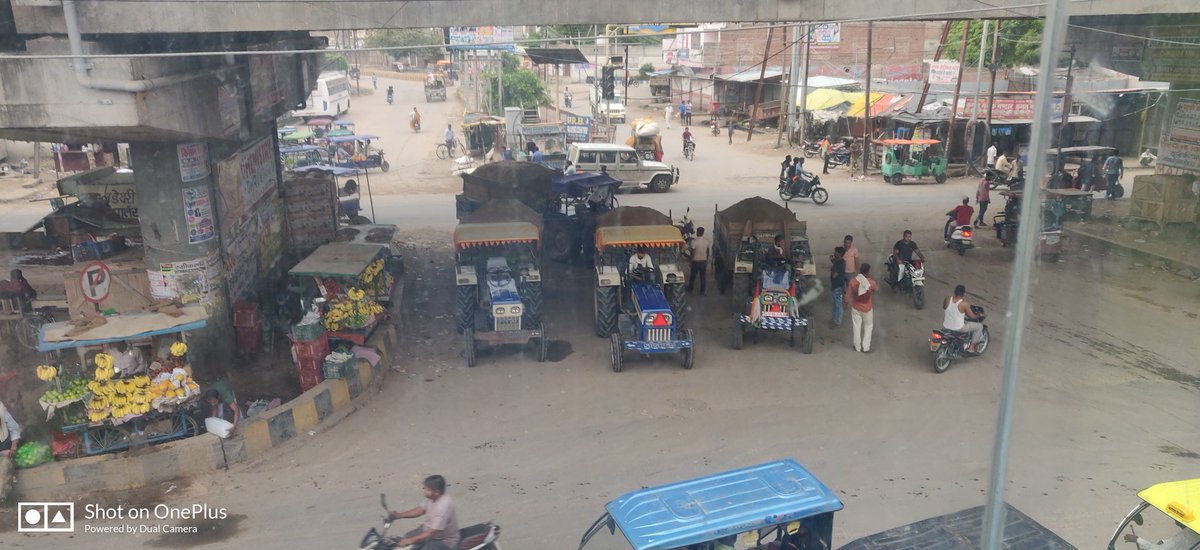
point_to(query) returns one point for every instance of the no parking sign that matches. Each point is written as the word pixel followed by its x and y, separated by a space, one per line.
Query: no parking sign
pixel 95 280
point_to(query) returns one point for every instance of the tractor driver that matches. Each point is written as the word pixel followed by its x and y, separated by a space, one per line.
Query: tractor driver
pixel 640 264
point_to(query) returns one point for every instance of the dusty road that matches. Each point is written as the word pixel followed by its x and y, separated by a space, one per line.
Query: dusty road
pixel 1108 387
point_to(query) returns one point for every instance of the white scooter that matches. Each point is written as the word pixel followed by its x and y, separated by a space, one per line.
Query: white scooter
pixel 958 237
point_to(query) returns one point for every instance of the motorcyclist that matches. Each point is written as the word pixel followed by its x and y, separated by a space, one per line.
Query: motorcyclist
pixel 440 530
pixel 962 215
pixel 414 119
pixel 391 93
pixel 1006 167
pixel 959 317
pixel 687 138
pixel 902 252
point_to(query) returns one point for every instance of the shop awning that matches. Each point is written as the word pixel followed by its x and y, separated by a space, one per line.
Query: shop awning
pixel 653 236
pixel 556 56
pixel 468 235
pixel 824 99
pixel 1071 120
pixel 858 106
pixel 117 328
pixel 895 107
pixel 750 75
pixel 338 260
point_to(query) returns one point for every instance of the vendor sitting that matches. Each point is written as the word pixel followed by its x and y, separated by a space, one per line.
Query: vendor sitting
pixel 17 294
pixel 215 407
pixel 128 360
pixel 10 432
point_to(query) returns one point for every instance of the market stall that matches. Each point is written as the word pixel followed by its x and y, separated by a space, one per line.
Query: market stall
pixel 348 284
pixel 132 383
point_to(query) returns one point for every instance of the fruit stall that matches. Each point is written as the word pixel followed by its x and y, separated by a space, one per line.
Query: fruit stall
pixel 346 290
pixel 103 408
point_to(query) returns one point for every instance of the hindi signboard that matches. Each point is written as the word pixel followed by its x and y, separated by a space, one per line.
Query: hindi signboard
pixel 1007 109
pixel 578 128
pixel 943 72
pixel 826 36
pixel 193 161
pixel 482 38
pixel 1180 146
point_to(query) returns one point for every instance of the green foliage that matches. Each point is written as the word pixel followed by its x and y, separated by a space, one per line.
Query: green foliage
pixel 646 69
pixel 335 62
pixel 522 87
pixel 1020 42
pixel 393 38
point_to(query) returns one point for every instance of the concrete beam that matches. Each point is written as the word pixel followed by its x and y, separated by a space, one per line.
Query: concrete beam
pixel 98 17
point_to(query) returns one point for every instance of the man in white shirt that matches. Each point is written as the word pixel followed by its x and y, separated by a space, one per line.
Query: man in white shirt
pixel 1005 166
pixel 701 246
pixel 639 264
pixel 991 156
pixel 128 360
pixel 1185 539
pixel 10 432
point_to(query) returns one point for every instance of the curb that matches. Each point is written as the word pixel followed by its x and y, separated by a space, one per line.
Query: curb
pixel 1173 263
pixel 317 408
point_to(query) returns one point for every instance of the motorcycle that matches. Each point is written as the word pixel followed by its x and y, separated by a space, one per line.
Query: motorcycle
pixel 999 178
pixel 391 96
pixel 805 185
pixel 952 344
pixel 689 149
pixel 481 536
pixel 957 236
pixel 716 128
pixel 912 278
pixel 415 124
pixel 812 149
pixel 687 229
pixel 1147 158
pixel 839 155
pixel 567 100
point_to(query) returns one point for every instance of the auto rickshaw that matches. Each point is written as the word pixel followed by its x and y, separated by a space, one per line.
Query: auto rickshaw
pixel 913 158
pixel 1050 243
pixel 341 128
pixel 355 151
pixel 295 156
pixel 1179 501
pixel 778 503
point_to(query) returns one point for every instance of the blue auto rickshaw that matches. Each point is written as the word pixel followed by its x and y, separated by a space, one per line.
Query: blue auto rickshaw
pixel 777 501
pixel 296 156
pixel 356 151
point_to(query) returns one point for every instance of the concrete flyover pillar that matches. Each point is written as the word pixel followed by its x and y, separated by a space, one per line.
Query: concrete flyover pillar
pixel 176 199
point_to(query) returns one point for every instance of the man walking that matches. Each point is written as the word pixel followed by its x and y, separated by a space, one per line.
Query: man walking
pixel 701 247
pixel 667 115
pixel 851 257
pixel 687 112
pixel 375 82
pixel 824 148
pixel 991 156
pixel 1114 170
pixel 729 129
pixel 837 282
pixel 682 109
pixel 858 297
pixel 983 197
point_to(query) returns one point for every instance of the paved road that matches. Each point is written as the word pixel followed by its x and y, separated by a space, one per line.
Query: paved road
pixel 1104 406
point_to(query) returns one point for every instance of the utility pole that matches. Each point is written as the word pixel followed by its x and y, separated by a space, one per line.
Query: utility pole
pixel 937 56
pixel 969 136
pixel 1066 108
pixel 962 56
pixel 866 151
pixel 762 73
pixel 994 68
pixel 790 96
pixel 625 98
pixel 808 32
pixel 500 84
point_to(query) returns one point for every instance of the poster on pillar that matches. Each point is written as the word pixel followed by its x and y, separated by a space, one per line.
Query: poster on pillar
pixel 197 207
pixel 1180 145
pixel 188 281
pixel 193 161
pixel 256 168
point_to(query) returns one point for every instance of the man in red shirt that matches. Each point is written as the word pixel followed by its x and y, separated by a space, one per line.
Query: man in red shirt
pixel 963 215
pixel 858 297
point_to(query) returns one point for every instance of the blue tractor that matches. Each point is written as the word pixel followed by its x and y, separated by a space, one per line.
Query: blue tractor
pixel 639 301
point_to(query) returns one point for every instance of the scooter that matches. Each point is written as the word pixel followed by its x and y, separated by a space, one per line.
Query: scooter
pixel 391 96
pixel 803 186
pixel 912 278
pixel 952 344
pixel 716 128
pixel 415 125
pixel 958 237
pixel 481 536
pixel 567 100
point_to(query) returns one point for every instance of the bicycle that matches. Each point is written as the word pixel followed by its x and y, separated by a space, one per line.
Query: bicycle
pixel 30 326
pixel 447 152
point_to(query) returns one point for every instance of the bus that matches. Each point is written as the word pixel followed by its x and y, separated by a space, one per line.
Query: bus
pixel 330 98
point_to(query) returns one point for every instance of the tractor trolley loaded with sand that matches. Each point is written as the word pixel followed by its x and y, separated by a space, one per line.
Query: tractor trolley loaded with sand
pixel 769 291
pixel 498 278
pixel 640 301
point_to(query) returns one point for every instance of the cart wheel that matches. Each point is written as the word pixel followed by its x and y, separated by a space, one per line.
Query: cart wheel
pixel 183 425
pixel 543 344
pixel 469 345
pixel 810 336
pixel 385 166
pixel 687 356
pixel 617 351
pixel 107 438
pixel 940 178
pixel 739 333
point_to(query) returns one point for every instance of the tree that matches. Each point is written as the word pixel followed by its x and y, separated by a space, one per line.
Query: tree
pixel 407 38
pixel 646 69
pixel 1020 42
pixel 522 88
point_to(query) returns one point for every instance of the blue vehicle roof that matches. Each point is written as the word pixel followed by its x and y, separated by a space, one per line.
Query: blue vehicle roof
pixel 358 137
pixel 650 297
pixel 715 506
pixel 299 149
pixel 583 180
pixel 343 123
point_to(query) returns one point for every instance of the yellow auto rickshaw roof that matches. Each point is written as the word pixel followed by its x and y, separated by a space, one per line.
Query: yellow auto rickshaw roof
pixel 653 236
pixel 467 235
pixel 1178 499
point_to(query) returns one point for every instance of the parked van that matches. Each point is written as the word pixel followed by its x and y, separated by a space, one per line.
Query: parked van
pixel 622 162
pixel 330 98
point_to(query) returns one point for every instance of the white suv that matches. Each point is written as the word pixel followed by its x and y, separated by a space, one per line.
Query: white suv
pixel 622 162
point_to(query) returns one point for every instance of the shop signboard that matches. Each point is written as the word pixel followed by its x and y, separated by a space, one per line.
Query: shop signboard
pixel 578 128
pixel 943 72
pixel 482 38
pixel 826 36
pixel 1017 109
pixel 1180 147
pixel 193 161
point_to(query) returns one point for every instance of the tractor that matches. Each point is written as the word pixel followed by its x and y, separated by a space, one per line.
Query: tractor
pixel 770 291
pixel 499 285
pixel 641 308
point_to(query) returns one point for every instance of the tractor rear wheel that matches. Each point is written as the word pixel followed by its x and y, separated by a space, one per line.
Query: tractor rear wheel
pixel 606 310
pixel 533 305
pixel 677 297
pixel 739 333
pixel 464 310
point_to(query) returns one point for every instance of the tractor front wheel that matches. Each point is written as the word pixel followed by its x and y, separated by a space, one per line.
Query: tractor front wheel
pixel 533 305
pixel 739 333
pixel 687 356
pixel 469 346
pixel 809 336
pixel 677 295
pixel 605 304
pixel 617 351
pixel 464 311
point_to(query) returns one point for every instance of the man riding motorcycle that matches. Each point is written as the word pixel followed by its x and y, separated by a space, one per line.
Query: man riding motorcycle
pixel 962 215
pixel 902 252
pixel 440 530
pixel 687 139
pixel 391 94
pixel 414 119
pixel 959 317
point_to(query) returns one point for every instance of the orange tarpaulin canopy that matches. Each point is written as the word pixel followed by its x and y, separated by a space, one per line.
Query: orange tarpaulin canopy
pixel 653 236
pixel 490 234
pixel 908 141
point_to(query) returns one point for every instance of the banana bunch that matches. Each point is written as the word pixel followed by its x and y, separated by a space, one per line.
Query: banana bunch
pixel 46 373
pixel 104 367
pixel 356 294
pixel 372 271
pixel 178 349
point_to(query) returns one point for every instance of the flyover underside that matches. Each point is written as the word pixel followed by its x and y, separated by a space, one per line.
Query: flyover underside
pixel 119 17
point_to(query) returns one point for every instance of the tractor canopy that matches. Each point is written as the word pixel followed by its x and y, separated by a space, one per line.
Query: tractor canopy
pixel 470 235
pixel 651 236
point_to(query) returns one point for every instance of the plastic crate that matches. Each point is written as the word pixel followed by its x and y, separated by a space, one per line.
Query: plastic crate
pixel 306 333
pixel 245 314
pixel 315 349
pixel 337 369
pixel 308 382
pixel 309 367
